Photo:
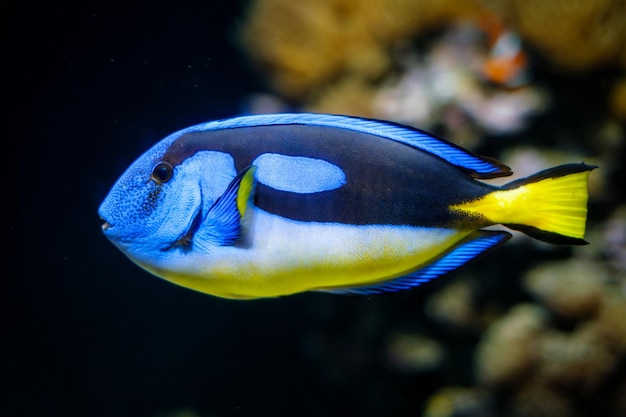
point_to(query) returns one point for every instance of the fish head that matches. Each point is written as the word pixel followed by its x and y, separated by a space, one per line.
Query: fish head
pixel 153 210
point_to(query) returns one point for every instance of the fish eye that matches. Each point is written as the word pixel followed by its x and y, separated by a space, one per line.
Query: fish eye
pixel 162 172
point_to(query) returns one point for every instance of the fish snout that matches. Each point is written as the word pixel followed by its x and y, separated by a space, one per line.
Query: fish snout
pixel 105 225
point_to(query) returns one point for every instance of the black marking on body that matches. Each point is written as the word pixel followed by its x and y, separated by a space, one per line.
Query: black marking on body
pixel 152 201
pixel 388 182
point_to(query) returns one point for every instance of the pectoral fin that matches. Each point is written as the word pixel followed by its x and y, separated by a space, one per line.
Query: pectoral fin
pixel 222 224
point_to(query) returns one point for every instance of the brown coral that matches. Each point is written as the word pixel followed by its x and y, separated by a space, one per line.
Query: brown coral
pixel 307 43
pixel 537 400
pixel 552 371
pixel 413 353
pixel 618 97
pixel 573 290
pixel 578 362
pixel 459 401
pixel 453 306
pixel 303 45
pixel 573 34
pixel 508 351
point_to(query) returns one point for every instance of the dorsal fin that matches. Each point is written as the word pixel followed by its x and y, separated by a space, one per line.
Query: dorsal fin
pixel 476 165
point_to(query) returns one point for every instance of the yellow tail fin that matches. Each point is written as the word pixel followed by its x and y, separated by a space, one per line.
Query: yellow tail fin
pixel 550 205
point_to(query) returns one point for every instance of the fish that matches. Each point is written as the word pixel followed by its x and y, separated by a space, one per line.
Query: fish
pixel 271 205
pixel 506 63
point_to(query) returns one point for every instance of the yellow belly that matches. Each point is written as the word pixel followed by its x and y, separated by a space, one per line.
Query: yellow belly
pixel 281 256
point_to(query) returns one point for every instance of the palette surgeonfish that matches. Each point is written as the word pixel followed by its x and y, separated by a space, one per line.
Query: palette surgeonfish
pixel 271 205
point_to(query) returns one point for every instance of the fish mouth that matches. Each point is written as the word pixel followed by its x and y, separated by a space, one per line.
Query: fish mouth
pixel 105 225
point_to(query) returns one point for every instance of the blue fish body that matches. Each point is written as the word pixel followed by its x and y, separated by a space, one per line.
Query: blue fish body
pixel 270 205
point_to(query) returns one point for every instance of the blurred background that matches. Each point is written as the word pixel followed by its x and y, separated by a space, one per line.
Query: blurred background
pixel 531 330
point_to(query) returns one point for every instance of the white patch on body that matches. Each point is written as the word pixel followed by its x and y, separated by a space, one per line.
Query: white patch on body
pixel 298 174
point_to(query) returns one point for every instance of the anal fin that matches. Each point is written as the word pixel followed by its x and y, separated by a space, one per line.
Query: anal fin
pixel 475 245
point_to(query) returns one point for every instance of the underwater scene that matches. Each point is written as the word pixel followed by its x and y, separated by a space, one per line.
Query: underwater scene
pixel 322 121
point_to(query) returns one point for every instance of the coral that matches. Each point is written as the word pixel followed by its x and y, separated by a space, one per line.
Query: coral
pixel 573 290
pixel 447 86
pixel 579 361
pixel 453 306
pixel 352 57
pixel 304 44
pixel 459 401
pixel 552 371
pixel 413 353
pixel 332 55
pixel 507 350
pixel 537 400
pixel 572 34
pixel 554 356
pixel 613 242
pixel 346 96
pixel 618 98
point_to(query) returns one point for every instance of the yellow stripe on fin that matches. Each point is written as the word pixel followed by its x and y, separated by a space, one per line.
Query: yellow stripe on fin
pixel 550 205
pixel 246 190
